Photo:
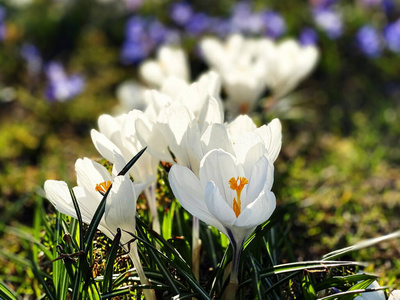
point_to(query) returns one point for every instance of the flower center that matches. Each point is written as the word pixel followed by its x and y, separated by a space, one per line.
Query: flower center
pixel 103 187
pixel 237 184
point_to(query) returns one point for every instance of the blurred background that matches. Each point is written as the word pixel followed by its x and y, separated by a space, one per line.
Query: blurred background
pixel 337 178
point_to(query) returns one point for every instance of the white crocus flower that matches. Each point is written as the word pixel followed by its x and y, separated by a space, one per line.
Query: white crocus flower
pixel 118 138
pixel 93 182
pixel 181 121
pixel 171 62
pixel 130 95
pixel 239 62
pixel 287 63
pixel 228 194
pixel 248 66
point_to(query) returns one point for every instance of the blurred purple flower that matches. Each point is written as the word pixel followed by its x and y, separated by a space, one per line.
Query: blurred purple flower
pixel 221 27
pixel 198 24
pixel 275 25
pixel 133 52
pixel 3 30
pixel 157 32
pixel 31 54
pixel 181 12
pixel 330 21
pixel 135 28
pixel 369 41
pixel 308 37
pixel 61 87
pixel 244 20
pixel 392 36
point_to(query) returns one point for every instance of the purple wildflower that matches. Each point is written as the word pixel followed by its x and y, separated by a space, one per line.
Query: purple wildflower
pixel 133 52
pixel 275 25
pixel 181 12
pixel 60 86
pixel 198 24
pixel 221 27
pixel 308 36
pixel 392 36
pixel 135 28
pixel 31 54
pixel 244 20
pixel 330 21
pixel 369 41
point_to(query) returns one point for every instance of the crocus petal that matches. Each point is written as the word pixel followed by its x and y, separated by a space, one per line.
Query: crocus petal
pixel 87 203
pixel 173 86
pixel 110 127
pixel 154 139
pixel 272 137
pixel 248 149
pixel 151 72
pixel 258 211
pixel 218 207
pixel 211 112
pixel 216 136
pixel 105 147
pixel 58 194
pixel 219 166
pixel 260 178
pixel 89 173
pixel 187 189
pixel 240 125
pixel 120 207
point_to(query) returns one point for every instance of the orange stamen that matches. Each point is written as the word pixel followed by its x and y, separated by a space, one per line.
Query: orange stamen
pixel 103 187
pixel 237 185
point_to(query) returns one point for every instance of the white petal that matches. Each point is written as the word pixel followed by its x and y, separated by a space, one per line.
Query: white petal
pixel 153 138
pixel 87 203
pixel 174 62
pixel 248 149
pixel 120 207
pixel 240 125
pixel 258 211
pixel 217 206
pixel 104 146
pixel 131 96
pixel 212 112
pixel 216 136
pixel 58 194
pixel 151 73
pixel 173 86
pixel 89 173
pixel 187 189
pixel 110 127
pixel 219 166
pixel 272 137
pixel 260 178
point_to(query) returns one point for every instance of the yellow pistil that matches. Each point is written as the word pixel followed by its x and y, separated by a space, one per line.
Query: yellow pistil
pixel 103 187
pixel 237 185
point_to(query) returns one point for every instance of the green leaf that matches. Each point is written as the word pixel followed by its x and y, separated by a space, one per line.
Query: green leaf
pixel 308 288
pixel 6 293
pixel 343 281
pixel 109 268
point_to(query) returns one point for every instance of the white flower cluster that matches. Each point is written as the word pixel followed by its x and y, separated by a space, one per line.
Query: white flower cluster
pixel 222 172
